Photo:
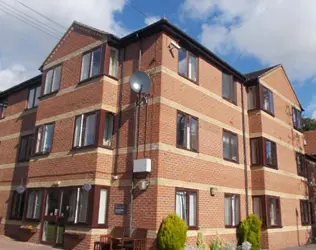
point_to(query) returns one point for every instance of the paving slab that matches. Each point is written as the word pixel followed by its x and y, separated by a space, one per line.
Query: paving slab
pixel 10 244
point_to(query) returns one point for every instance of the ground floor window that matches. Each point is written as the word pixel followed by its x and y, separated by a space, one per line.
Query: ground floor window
pixel 305 212
pixel 34 204
pixel 186 206
pixel 17 208
pixel 268 209
pixel 78 206
pixel 232 210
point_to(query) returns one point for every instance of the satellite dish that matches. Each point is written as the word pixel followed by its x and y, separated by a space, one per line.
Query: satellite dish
pixel 20 189
pixel 140 82
pixel 86 187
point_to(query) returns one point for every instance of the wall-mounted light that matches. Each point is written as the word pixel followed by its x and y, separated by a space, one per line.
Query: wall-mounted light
pixel 213 190
pixel 173 45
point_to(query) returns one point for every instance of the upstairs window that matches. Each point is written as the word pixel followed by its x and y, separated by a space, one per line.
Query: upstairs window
pixel 3 109
pixel 114 62
pixel 232 210
pixel 34 204
pixel 300 163
pixel 252 97
pixel 267 100
pixel 297 119
pixel 25 147
pixel 305 212
pixel 44 138
pixel 186 206
pixel 52 80
pixel 108 129
pixel 91 64
pixel 187 135
pixel 85 130
pixel 230 146
pixel 187 64
pixel 34 94
pixel 268 210
pixel 229 88
pixel 17 208
pixel 263 152
pixel 271 153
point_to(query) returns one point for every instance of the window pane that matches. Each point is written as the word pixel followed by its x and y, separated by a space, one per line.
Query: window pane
pixel 273 217
pixel 95 62
pixel 37 95
pixel 194 137
pixel 227 86
pixel 83 206
pixel 113 70
pixel 38 205
pixel 180 129
pixel 193 68
pixel 48 81
pixel 228 219
pixel 254 151
pixel 252 97
pixel 269 156
pixel 108 129
pixel 56 78
pixel 47 138
pixel 257 205
pixel 181 202
pixel 268 100
pixel 236 210
pixel 192 209
pixel 72 205
pixel 23 148
pixel 39 139
pixel 30 103
pixel 234 147
pixel 30 204
pixel 85 66
pixel 182 62
pixel 102 206
pixel 90 129
pixel 78 131
pixel 226 146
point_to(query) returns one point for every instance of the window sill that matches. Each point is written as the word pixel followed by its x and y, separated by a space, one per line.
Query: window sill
pixel 230 226
pixel 32 220
pixel 257 166
pixel 227 159
pixel 106 147
pixel 30 109
pixel 306 224
pixel 187 78
pixel 113 77
pixel 2 118
pixel 89 79
pixel 230 100
pixel 187 149
pixel 83 147
pixel 298 130
pixel 45 96
pixel 41 154
pixel 268 112
pixel 23 161
pixel 193 228
pixel 272 227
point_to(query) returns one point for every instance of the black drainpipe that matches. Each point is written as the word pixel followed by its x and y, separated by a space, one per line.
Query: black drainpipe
pixel 244 147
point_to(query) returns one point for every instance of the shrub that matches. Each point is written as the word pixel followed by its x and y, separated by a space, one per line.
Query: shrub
pixel 217 244
pixel 172 234
pixel 200 242
pixel 250 230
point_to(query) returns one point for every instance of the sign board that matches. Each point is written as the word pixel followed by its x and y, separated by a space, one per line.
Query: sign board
pixel 120 209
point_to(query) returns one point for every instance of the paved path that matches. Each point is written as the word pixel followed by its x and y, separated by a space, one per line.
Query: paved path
pixel 7 243
pixel 308 247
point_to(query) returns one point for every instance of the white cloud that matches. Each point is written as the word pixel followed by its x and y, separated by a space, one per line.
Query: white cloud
pixel 23 45
pixel 272 31
pixel 151 19
pixel 312 107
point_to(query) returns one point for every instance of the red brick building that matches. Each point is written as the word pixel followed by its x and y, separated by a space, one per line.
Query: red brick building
pixel 221 144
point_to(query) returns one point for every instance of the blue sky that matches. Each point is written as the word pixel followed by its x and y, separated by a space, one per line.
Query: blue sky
pixel 248 34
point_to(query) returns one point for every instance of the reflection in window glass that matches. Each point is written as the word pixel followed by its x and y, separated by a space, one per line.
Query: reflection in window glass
pixel 182 62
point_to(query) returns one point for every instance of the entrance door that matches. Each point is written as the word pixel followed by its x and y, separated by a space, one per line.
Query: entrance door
pixel 55 216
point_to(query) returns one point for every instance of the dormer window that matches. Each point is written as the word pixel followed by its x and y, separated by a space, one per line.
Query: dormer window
pixel 52 80
pixel 297 118
pixel 91 64
pixel 34 94
pixel 187 64
pixel 114 62
pixel 260 97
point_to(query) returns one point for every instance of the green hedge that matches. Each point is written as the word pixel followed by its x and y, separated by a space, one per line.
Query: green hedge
pixel 172 234
pixel 250 230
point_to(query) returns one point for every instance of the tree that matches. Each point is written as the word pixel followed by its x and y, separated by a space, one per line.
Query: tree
pixel 309 124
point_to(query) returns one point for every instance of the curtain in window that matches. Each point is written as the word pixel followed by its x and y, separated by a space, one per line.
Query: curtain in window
pixel 182 62
pixel 181 205
pixel 72 205
pixel 233 140
pixel 37 95
pixel 108 129
pixel 30 204
pixel 48 138
pixel 180 129
pixel 30 103
pixel 252 97
pixel 226 146
pixel 193 68
pixel 102 206
pixel 257 205
pixel 78 131
pixel 273 218
pixel 85 66
pixel 95 62
pixel 254 151
pixel 194 139
pixel 90 129
pixel 39 139
pixel 48 81
pixel 192 209
pixel 228 215
pixel 236 212
pixel 113 70
pixel 56 78
pixel 83 206
pixel 269 152
pixel 226 86
pixel 38 204
pixel 266 101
